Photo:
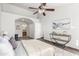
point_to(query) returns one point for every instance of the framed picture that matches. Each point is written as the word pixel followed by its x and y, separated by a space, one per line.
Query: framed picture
pixel 62 24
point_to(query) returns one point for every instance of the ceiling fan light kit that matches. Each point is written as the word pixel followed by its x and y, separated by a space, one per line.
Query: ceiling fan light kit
pixel 41 11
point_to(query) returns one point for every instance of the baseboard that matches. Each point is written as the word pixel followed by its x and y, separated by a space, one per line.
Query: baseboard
pixel 50 42
pixel 73 48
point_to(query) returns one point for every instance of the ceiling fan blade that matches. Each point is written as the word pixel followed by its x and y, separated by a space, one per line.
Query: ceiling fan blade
pixel 35 12
pixel 32 8
pixel 44 14
pixel 43 4
pixel 50 9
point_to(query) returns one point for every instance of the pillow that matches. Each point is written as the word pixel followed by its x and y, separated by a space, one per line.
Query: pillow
pixel 6 37
pixel 13 43
pixel 6 48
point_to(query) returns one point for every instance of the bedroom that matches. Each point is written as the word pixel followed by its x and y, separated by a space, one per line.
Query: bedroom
pixel 41 26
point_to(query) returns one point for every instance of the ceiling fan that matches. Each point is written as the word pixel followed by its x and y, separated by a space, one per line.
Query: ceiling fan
pixel 41 9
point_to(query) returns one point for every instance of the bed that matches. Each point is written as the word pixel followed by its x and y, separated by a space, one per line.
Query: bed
pixel 37 48
pixel 31 47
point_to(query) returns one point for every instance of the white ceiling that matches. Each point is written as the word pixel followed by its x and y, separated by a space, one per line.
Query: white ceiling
pixel 48 5
pixel 26 5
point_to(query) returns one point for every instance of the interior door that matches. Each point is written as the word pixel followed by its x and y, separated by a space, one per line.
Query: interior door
pixel 24 34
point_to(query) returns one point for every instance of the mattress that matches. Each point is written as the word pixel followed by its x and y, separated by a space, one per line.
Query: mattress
pixel 37 48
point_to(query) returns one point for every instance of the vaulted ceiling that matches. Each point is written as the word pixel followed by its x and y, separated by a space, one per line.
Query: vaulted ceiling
pixel 49 5
pixel 55 6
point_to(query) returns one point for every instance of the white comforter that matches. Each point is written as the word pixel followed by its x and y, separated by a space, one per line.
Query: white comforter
pixel 6 48
pixel 38 48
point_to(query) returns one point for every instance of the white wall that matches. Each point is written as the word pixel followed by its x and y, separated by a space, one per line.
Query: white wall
pixel 8 24
pixel 11 13
pixel 0 18
pixel 31 30
pixel 38 30
pixel 70 11
pixel 28 30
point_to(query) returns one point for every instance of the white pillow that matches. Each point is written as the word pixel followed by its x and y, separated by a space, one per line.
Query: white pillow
pixel 6 37
pixel 6 48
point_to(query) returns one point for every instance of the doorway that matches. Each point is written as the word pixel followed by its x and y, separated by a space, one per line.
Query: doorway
pixel 24 28
pixel 24 33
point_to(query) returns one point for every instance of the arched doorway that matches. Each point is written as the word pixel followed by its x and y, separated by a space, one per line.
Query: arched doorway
pixel 25 28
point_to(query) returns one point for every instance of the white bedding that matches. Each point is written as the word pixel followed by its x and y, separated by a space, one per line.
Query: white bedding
pixel 19 51
pixel 37 48
pixel 6 48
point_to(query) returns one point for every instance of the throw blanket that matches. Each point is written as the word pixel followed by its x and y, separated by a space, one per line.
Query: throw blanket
pixel 38 48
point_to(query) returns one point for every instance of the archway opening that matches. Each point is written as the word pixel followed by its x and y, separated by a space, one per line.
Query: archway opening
pixel 25 28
